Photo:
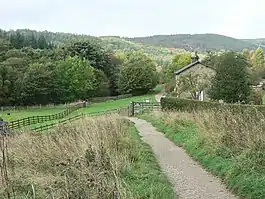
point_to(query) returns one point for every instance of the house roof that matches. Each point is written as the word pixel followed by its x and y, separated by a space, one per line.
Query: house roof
pixel 190 66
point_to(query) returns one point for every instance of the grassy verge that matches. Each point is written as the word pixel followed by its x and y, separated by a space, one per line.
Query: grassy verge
pixel 232 148
pixel 97 157
pixel 144 177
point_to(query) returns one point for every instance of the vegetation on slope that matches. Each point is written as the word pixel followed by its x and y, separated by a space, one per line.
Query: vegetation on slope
pixel 161 55
pixel 92 158
pixel 258 42
pixel 196 42
pixel 34 70
pixel 229 145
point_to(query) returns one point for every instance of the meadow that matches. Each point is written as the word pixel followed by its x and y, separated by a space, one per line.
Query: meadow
pixel 95 157
pixel 92 107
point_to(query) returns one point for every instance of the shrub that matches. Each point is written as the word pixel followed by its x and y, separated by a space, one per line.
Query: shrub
pixel 170 86
pixel 256 97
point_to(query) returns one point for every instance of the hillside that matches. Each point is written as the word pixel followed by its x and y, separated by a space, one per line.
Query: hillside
pixel 258 42
pixel 198 42
pixel 160 47
pixel 162 55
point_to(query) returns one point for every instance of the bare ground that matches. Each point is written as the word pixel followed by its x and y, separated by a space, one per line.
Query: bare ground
pixel 189 179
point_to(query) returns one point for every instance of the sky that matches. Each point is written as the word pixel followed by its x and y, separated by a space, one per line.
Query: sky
pixel 135 18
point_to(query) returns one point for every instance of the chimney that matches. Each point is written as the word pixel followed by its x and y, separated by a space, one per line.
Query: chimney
pixel 195 58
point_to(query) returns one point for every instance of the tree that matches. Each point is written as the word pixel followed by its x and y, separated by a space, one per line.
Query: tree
pixel 192 83
pixel 76 78
pixel 102 84
pixel 179 61
pixel 258 59
pixel 32 41
pixel 98 58
pixel 36 85
pixel 231 82
pixel 4 46
pixel 17 39
pixel 42 43
pixel 246 53
pixel 137 75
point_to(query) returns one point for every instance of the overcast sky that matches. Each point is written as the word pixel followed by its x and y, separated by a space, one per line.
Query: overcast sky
pixel 236 18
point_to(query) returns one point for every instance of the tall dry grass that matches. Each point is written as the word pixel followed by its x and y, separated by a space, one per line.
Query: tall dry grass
pixel 239 134
pixel 82 160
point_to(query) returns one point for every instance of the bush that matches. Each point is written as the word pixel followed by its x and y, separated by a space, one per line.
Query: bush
pixel 172 103
pixel 256 97
pixel 170 86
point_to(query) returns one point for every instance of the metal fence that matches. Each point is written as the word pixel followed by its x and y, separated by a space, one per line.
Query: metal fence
pixel 141 107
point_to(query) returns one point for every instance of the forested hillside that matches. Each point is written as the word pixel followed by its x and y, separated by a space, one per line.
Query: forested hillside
pixel 161 55
pixel 196 42
pixel 259 42
pixel 44 67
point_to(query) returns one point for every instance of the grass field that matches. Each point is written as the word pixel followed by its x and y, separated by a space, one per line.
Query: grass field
pixel 95 157
pixel 103 106
pixel 95 107
pixel 15 115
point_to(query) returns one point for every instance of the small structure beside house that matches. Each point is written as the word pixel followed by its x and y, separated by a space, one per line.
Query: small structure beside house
pixel 202 73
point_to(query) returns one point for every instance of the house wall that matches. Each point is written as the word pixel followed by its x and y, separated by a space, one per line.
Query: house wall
pixel 198 69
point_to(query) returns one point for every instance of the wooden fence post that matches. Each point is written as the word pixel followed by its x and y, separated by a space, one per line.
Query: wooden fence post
pixel 133 103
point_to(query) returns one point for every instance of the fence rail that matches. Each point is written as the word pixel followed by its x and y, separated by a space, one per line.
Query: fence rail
pixel 141 107
pixel 24 122
pixel 20 108
pixel 121 111
pixel 133 109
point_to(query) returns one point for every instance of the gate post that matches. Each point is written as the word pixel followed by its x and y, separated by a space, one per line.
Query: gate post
pixel 132 104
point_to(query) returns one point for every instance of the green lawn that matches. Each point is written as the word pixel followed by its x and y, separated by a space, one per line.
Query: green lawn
pixel 108 105
pixel 104 106
pixel 95 107
pixel 15 115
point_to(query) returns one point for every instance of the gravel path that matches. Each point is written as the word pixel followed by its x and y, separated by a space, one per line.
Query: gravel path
pixel 189 179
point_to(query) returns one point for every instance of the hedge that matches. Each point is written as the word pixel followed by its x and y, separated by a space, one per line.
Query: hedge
pixel 180 104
